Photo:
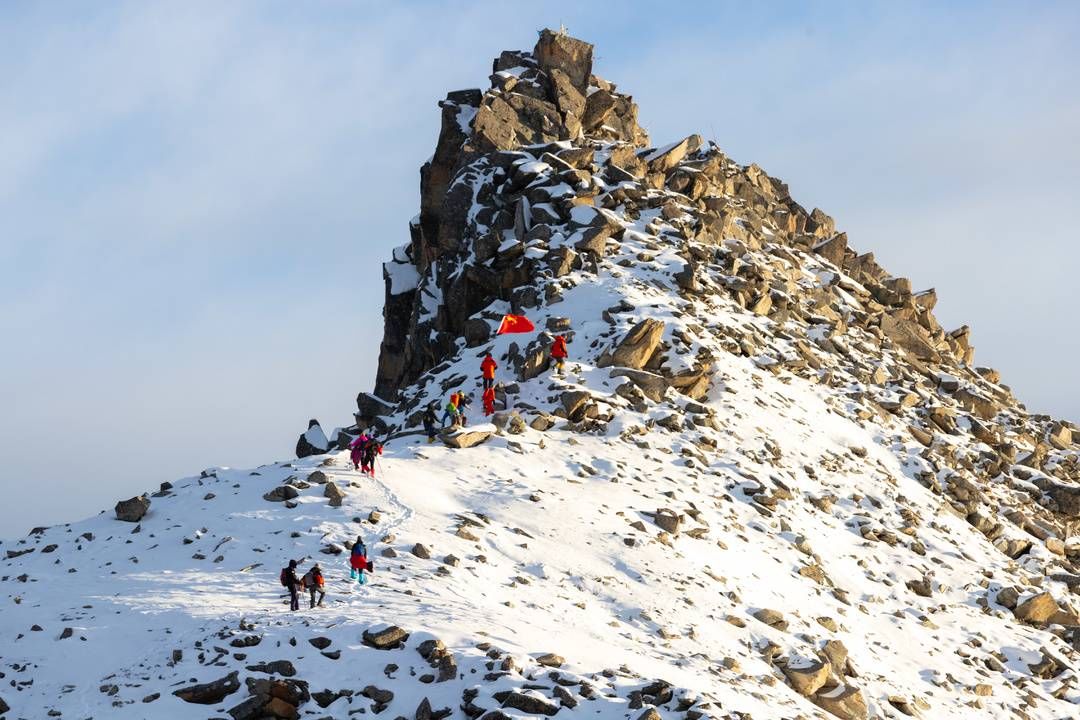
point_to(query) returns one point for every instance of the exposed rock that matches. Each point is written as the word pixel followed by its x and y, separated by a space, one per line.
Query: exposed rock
pixel 386 638
pixel 651 385
pixel 556 50
pixel 638 346
pixel 276 667
pixel 1037 609
pixel 772 618
pixel 550 660
pixel 212 692
pixel 530 704
pixel 807 678
pixel 667 520
pixel 132 510
pixel 282 493
pixel 843 701
pixel 467 437
pixel 313 441
pixel 332 491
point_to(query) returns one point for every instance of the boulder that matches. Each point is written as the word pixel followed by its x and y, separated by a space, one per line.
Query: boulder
pixel 420 550
pixel 559 51
pixel 975 402
pixel 467 437
pixel 833 249
pixel 837 654
pixel 1037 609
pixel 332 491
pixel 313 441
pixel 807 677
pixel 772 618
pixel 1066 498
pixel 510 121
pixel 531 704
pixel 273 698
pixel 386 638
pixel 651 385
pixel 574 401
pixel 281 493
pixel 665 158
pixel 639 345
pixel 132 510
pixel 210 693
pixel 667 520
pixel 274 667
pixel 843 701
pixel 551 660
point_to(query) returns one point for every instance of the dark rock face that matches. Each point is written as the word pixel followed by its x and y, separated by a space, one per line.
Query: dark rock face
pixel 546 96
pixel 312 442
pixel 211 692
pixel 132 510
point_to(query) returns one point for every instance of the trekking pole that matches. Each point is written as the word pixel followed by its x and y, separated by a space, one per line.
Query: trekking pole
pixel 379 463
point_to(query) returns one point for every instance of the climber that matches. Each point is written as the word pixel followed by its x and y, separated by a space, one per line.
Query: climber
pixel 487 370
pixel 558 353
pixel 358 561
pixel 313 581
pixel 464 401
pixel 290 581
pixel 489 401
pixel 367 457
pixel 356 449
pixel 430 418
pixel 450 412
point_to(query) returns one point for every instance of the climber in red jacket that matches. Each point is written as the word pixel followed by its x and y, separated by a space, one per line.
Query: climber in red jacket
pixel 489 401
pixel 487 371
pixel 558 353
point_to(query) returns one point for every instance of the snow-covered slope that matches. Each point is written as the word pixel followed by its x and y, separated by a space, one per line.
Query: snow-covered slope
pixel 759 489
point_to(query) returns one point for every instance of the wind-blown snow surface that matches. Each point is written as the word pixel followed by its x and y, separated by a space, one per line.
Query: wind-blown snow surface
pixel 555 567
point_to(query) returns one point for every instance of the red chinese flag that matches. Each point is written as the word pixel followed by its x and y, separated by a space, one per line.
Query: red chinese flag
pixel 515 324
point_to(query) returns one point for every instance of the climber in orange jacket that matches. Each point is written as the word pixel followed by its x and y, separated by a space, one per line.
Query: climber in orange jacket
pixel 489 401
pixel 487 371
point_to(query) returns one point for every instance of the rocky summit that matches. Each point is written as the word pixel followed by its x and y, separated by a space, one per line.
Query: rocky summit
pixel 766 484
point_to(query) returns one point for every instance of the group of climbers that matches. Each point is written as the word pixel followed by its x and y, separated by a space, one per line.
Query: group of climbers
pixel 314 582
pixel 458 402
pixel 363 451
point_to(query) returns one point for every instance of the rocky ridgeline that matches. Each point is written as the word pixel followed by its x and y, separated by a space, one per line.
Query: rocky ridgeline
pixel 544 182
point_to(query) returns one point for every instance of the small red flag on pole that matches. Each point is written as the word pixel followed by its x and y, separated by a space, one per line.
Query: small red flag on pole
pixel 515 324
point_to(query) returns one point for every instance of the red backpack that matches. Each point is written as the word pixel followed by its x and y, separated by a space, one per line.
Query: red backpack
pixel 284 577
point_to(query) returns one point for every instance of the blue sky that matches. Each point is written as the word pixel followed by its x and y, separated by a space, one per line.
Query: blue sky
pixel 197 197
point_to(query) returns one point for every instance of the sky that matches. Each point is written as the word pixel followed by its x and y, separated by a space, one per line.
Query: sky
pixel 196 197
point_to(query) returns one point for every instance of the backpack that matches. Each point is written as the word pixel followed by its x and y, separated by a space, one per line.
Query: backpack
pixel 284 577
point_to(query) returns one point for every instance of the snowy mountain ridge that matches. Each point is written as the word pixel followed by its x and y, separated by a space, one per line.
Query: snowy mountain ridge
pixel 768 484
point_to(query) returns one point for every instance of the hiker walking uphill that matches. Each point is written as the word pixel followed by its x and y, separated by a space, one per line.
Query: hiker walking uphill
pixel 430 418
pixel 356 449
pixel 489 401
pixel 487 371
pixel 450 412
pixel 558 353
pixel 368 455
pixel 455 409
pixel 362 452
pixel 290 581
pixel 358 562
pixel 313 581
